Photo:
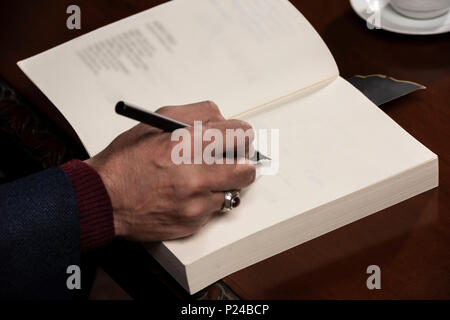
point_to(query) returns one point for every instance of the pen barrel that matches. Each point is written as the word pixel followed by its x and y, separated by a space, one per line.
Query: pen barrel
pixel 151 118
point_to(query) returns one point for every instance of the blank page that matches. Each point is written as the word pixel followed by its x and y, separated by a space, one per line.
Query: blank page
pixel 240 54
pixel 333 142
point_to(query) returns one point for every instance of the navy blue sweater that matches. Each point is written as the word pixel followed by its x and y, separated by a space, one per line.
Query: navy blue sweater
pixel 39 236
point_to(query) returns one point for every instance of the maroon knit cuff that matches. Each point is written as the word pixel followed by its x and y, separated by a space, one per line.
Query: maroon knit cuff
pixel 94 205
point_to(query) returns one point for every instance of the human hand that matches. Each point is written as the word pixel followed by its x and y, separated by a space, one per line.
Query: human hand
pixel 154 199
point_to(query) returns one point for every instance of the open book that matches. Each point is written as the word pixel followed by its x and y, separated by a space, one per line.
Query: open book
pixel 340 157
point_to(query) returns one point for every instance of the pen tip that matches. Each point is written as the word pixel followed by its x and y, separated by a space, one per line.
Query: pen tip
pixel 259 156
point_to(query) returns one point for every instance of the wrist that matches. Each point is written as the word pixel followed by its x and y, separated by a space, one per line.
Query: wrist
pixel 114 196
pixel 94 205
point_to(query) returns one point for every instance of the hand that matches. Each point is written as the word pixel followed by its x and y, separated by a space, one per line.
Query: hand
pixel 154 199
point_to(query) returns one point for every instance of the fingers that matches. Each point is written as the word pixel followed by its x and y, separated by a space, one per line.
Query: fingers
pixel 231 137
pixel 197 179
pixel 199 208
pixel 225 177
pixel 236 135
pixel 219 177
pixel 206 111
pixel 216 200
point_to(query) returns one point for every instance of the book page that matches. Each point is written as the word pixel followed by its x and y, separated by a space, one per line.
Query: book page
pixel 333 142
pixel 239 54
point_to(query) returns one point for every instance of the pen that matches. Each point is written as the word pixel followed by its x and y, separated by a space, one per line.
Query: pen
pixel 162 122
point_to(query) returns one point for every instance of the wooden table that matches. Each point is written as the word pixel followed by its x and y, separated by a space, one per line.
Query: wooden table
pixel 410 241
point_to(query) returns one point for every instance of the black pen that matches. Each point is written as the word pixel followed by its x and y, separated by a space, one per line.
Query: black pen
pixel 161 122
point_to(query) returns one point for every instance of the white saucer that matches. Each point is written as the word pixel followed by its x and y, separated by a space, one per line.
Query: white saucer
pixel 391 20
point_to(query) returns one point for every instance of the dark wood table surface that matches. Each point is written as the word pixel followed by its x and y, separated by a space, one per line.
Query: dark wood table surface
pixel 409 241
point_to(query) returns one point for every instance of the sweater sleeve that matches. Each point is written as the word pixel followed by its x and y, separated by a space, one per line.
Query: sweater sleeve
pixel 39 236
pixel 46 219
pixel 94 205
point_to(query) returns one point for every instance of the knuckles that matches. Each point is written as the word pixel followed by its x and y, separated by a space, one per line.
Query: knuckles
pixel 246 127
pixel 188 184
pixel 247 172
pixel 212 106
pixel 194 210
pixel 165 110
pixel 251 173
pixel 196 184
pixel 213 112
